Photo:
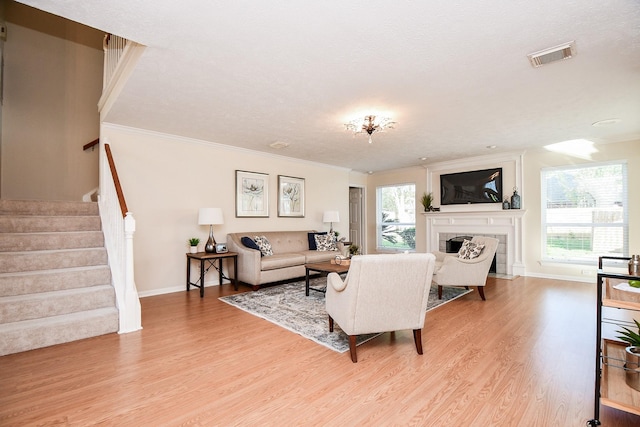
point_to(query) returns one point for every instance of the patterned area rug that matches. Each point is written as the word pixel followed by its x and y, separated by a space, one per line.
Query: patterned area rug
pixel 287 306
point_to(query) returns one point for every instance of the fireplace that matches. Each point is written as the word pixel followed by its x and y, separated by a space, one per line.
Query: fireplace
pixel 504 225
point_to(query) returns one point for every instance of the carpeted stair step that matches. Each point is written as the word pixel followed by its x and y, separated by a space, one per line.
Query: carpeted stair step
pixel 37 333
pixel 47 304
pixel 37 207
pixel 53 280
pixel 12 262
pixel 44 224
pixel 18 242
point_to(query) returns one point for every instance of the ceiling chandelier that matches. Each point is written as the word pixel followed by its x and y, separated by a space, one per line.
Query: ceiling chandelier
pixel 370 124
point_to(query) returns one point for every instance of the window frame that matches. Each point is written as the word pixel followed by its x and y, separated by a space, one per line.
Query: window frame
pixel 624 225
pixel 379 223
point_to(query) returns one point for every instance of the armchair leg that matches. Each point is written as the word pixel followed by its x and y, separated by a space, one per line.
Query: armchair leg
pixel 352 348
pixel 439 292
pixel 330 324
pixel 417 337
pixel 481 292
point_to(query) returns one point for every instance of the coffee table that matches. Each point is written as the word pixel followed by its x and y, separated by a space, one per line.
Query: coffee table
pixel 325 268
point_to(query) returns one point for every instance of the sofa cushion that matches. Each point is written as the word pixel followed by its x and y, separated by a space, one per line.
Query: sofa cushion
pixel 264 245
pixel 248 242
pixel 281 261
pixel 470 250
pixel 312 240
pixel 319 256
pixel 326 242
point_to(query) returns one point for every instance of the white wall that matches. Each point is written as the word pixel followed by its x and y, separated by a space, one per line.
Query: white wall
pixel 166 179
pixel 52 84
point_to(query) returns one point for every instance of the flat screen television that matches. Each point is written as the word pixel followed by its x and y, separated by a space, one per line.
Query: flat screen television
pixel 481 186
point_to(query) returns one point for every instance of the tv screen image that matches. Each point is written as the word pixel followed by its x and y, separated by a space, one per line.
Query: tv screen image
pixel 462 188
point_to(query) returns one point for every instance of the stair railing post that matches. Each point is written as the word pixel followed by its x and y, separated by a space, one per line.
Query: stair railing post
pixel 131 320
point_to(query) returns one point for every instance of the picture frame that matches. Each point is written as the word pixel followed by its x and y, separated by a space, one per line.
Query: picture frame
pixel 290 196
pixel 252 194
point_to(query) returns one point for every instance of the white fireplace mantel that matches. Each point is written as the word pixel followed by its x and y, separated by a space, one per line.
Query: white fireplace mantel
pixel 499 222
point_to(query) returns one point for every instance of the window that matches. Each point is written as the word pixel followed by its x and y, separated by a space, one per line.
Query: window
pixel 584 212
pixel 396 217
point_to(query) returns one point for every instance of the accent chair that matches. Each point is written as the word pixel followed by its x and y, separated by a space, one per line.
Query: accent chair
pixel 381 293
pixel 454 270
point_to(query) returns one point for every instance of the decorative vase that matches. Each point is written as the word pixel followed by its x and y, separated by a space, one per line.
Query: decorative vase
pixel 634 265
pixel 632 367
pixel 506 205
pixel 193 249
pixel 515 199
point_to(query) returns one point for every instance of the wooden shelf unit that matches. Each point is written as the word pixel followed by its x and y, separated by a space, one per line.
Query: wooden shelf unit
pixel 611 388
pixel 614 391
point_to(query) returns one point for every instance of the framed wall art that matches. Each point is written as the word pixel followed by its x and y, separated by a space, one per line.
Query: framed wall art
pixel 290 196
pixel 252 194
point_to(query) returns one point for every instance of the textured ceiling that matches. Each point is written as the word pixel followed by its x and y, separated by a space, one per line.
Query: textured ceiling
pixel 454 75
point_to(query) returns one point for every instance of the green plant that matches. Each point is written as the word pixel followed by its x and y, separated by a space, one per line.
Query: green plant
pixel 426 200
pixel 194 241
pixel 354 250
pixel 629 336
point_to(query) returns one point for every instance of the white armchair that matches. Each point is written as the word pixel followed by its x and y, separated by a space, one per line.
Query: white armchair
pixel 454 271
pixel 381 293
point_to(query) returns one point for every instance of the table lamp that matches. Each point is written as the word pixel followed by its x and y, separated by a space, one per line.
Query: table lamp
pixel 331 217
pixel 210 216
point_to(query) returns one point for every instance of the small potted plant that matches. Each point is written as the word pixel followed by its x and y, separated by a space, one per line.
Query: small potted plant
pixel 354 250
pixel 427 200
pixel 193 243
pixel 632 355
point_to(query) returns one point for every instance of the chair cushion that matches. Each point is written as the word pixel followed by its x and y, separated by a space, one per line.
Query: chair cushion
pixel 326 242
pixel 248 242
pixel 470 250
pixel 264 245
pixel 312 240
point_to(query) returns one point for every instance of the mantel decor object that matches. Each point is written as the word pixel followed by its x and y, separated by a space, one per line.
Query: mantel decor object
pixel 515 199
pixel 634 265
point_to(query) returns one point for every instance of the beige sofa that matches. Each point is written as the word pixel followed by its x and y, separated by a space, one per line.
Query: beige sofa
pixel 290 253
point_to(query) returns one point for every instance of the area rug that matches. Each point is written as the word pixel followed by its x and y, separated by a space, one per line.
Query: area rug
pixel 287 306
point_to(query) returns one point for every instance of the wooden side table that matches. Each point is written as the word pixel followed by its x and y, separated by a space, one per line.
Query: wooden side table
pixel 205 257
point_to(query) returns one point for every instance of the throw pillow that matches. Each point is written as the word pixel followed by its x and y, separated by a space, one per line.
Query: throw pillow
pixel 312 240
pixel 326 242
pixel 264 245
pixel 248 242
pixel 470 250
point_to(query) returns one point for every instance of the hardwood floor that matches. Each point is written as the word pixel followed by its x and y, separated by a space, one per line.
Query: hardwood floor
pixel 524 357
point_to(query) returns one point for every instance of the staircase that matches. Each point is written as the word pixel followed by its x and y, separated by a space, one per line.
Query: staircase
pixel 55 282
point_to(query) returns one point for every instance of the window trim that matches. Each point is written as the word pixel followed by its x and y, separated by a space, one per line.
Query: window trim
pixel 544 257
pixel 379 247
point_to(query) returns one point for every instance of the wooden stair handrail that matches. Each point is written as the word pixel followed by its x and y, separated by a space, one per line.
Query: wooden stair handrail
pixel 116 181
pixel 91 144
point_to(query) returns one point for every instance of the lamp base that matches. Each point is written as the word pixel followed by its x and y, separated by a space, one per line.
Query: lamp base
pixel 210 246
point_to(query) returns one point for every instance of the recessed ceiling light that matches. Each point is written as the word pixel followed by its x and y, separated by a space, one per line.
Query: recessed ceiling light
pixel 279 144
pixel 370 172
pixel 491 147
pixel 606 122
pixel 423 158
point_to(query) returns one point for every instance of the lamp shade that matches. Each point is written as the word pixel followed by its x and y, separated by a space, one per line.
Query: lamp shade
pixel 331 216
pixel 208 216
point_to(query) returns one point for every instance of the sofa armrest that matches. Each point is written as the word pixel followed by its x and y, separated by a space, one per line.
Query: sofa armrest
pixel 248 260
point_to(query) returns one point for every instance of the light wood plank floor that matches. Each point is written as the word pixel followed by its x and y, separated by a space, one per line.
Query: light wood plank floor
pixel 524 357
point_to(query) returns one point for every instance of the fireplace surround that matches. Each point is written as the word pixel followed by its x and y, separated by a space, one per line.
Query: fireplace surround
pixel 505 225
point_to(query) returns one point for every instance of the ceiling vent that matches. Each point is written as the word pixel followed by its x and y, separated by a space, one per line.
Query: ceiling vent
pixel 553 54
